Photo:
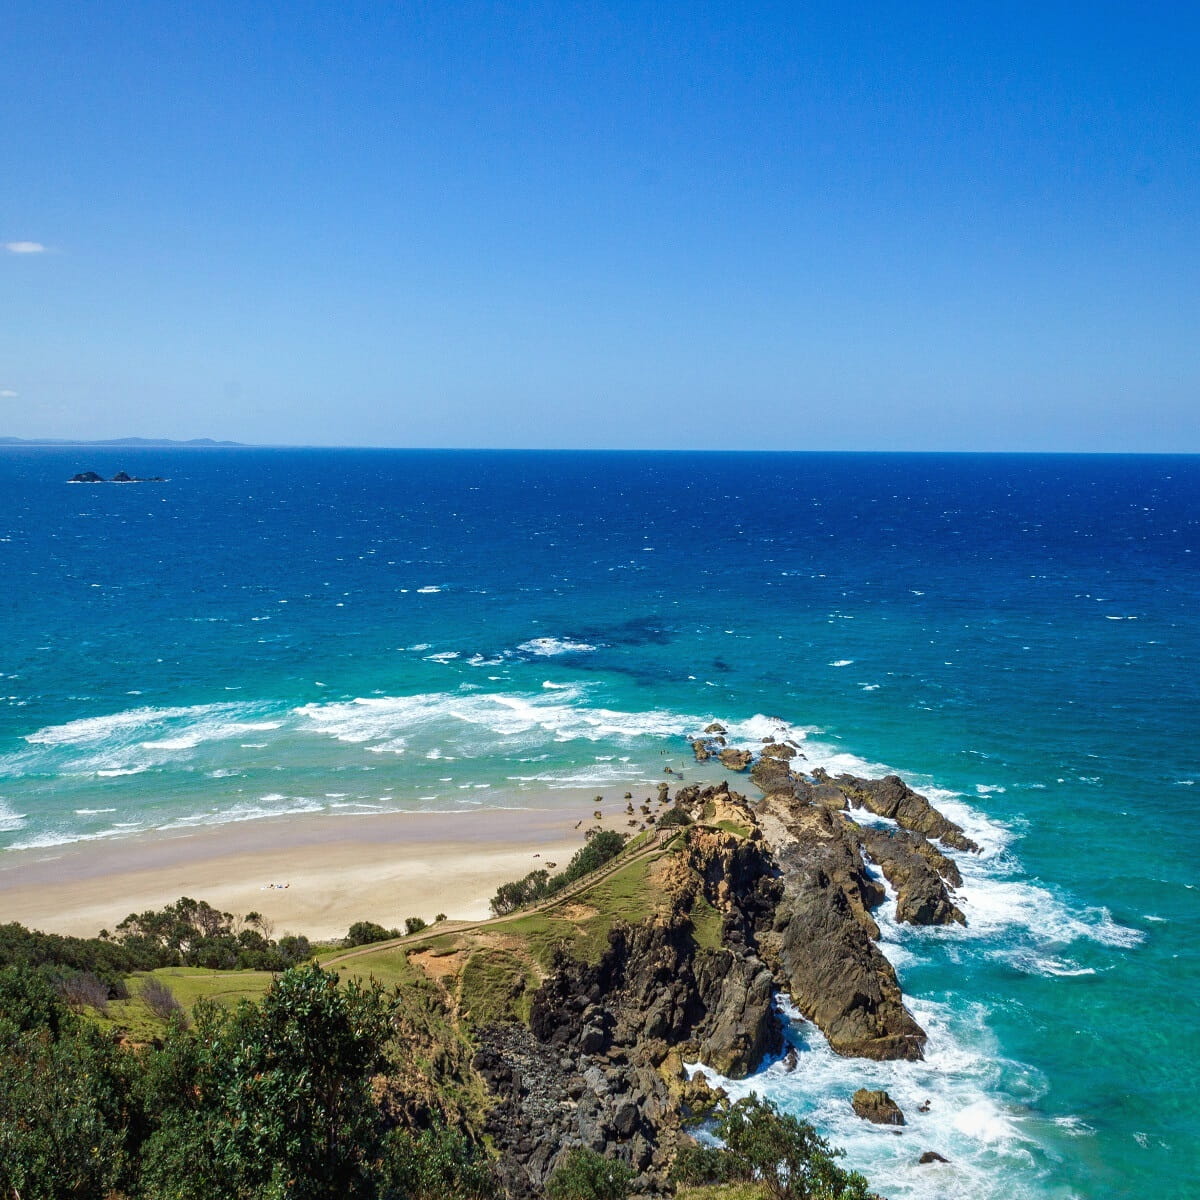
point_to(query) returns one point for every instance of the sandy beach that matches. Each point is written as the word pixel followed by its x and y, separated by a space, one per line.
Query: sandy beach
pixel 327 871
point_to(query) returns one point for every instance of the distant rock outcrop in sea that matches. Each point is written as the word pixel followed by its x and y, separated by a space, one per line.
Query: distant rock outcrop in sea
pixel 119 477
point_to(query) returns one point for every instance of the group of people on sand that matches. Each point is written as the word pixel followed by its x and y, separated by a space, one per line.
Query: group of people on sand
pixel 272 886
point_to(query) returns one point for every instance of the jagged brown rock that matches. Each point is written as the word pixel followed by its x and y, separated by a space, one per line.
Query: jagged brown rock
pixel 820 941
pixel 735 760
pixel 891 797
pixel 909 863
pixel 877 1107
pixel 778 750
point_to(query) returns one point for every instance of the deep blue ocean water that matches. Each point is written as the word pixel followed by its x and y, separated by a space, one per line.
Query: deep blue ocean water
pixel 282 631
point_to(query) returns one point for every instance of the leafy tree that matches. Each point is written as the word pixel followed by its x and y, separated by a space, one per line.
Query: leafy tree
pixel 69 1124
pixel 792 1161
pixel 28 1001
pixel 708 1164
pixel 585 1175
pixel 414 924
pixel 276 1096
pixel 435 1164
pixel 364 933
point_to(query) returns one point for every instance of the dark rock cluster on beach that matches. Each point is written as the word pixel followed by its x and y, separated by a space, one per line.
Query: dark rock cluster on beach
pixel 601 1061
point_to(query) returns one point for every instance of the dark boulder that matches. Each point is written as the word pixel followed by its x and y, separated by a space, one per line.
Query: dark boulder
pixel 86 477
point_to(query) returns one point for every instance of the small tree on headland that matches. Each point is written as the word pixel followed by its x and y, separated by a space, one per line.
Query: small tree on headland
pixel 585 1175
pixel 785 1154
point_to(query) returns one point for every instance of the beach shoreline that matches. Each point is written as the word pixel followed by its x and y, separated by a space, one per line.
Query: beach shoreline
pixel 312 874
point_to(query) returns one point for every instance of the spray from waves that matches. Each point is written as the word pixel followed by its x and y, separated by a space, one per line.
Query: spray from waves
pixel 981 1113
pixel 10 819
pixel 133 741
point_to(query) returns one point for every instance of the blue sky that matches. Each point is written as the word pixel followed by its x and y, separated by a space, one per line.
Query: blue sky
pixel 811 226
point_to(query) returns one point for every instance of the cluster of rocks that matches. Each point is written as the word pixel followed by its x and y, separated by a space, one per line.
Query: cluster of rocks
pixel 601 1062
pixel 119 477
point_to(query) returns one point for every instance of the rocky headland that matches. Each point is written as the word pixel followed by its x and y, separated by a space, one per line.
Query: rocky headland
pixel 677 953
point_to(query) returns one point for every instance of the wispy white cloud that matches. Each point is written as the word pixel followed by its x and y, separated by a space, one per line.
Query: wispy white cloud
pixel 25 247
pixel 8 394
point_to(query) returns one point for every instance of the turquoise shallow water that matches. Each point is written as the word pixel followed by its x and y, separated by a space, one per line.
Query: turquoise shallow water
pixel 290 631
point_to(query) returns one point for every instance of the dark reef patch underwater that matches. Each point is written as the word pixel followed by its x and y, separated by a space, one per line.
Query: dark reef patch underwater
pixel 284 631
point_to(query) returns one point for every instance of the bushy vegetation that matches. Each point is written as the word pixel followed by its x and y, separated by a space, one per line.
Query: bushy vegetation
pixel 260 1102
pixel 674 816
pixel 365 933
pixel 191 933
pixel 585 1175
pixel 188 933
pixel 784 1154
pixel 434 1164
pixel 540 885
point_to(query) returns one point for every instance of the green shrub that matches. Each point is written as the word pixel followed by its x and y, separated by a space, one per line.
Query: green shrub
pixel 698 1164
pixel 673 816
pixel 435 1164
pixel 786 1154
pixel 539 885
pixel 365 933
pixel 586 1175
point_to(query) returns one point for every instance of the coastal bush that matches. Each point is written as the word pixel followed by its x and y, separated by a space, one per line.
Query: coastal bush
pixel 69 1122
pixel 586 1175
pixel 697 1164
pixel 786 1154
pixel 107 960
pixel 159 999
pixel 673 816
pixel 365 933
pixel 28 1001
pixel 271 1099
pixel 539 885
pixel 191 933
pixel 414 925
pixel 434 1164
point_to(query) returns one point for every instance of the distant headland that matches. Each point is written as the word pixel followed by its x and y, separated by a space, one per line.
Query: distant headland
pixel 200 443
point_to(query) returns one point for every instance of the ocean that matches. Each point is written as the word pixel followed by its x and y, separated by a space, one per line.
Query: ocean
pixel 273 632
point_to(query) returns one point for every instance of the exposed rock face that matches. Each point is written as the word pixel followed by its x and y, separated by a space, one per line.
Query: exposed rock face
pixel 652 986
pixel 86 477
pixel 778 750
pixel 715 727
pixel 774 775
pixel 601 1062
pixel 820 940
pixel 911 865
pixel 931 1156
pixel 735 760
pixel 701 751
pixel 891 797
pixel 877 1107
pixel 547 1103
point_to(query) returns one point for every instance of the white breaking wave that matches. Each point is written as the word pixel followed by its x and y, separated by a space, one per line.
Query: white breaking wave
pixel 547 647
pixel 981 1113
pixel 10 819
